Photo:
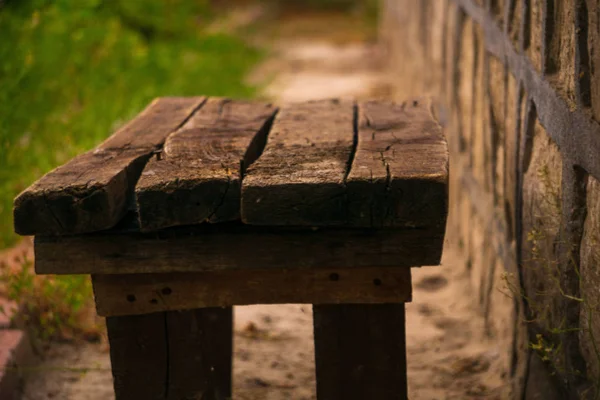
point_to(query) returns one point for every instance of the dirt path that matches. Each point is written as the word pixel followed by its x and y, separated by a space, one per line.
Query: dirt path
pixel 448 356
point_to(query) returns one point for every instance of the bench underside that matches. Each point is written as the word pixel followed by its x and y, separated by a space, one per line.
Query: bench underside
pixel 235 246
pixel 135 294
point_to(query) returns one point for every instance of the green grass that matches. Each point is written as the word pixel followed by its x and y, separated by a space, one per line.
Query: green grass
pixel 72 72
pixel 51 306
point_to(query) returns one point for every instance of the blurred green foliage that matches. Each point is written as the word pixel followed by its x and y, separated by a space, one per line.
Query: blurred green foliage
pixel 52 307
pixel 344 5
pixel 73 71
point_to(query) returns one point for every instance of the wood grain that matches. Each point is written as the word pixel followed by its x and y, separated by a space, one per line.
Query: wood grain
pixel 93 191
pixel 235 246
pixel 360 351
pixel 299 179
pixel 172 355
pixel 310 173
pixel 399 176
pixel 133 294
pixel 139 356
pixel 200 353
pixel 197 177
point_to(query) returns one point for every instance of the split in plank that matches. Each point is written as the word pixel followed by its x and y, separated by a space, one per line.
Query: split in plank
pixel 133 294
pixel 311 175
pixel 93 191
pixel 172 355
pixel 360 351
pixel 197 177
pixel 299 179
pixel 210 247
pixel 399 176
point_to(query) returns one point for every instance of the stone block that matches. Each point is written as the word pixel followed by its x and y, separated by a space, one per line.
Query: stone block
pixel 438 18
pixel 515 104
pixel 496 88
pixel 501 317
pixel 514 18
pixel 593 44
pixel 560 51
pixel 589 336
pixel 453 29
pixel 534 41
pixel 541 211
pixel 479 269
pixel 465 84
pixel 480 135
pixel 465 234
pixel 497 10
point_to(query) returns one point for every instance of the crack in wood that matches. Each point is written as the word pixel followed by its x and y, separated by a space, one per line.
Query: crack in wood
pixel 205 162
pixel 355 140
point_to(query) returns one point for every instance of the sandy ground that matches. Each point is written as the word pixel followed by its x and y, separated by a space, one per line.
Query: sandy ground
pixel 448 355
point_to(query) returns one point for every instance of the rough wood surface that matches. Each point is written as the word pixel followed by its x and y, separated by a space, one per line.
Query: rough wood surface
pixel 146 293
pixel 399 176
pixel 92 191
pixel 197 177
pixel 235 246
pixel 360 351
pixel 311 174
pixel 139 356
pixel 200 353
pixel 172 355
pixel 299 179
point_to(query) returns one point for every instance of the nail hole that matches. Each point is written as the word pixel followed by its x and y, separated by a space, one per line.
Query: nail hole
pixel 377 282
pixel 154 301
pixel 130 298
pixel 334 276
pixel 415 103
pixel 167 291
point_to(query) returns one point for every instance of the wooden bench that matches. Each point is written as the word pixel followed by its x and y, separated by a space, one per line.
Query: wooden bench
pixel 200 204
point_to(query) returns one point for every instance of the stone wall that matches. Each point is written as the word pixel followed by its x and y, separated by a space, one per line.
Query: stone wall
pixel 518 88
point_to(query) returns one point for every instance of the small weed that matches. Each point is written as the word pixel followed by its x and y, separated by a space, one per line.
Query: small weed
pixel 51 306
pixel 552 194
pixel 544 349
pixel 544 241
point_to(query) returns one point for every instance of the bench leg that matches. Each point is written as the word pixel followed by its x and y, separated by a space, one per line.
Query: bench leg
pixel 360 351
pixel 172 355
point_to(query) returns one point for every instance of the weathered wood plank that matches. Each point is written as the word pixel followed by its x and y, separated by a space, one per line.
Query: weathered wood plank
pixel 197 177
pixel 200 353
pixel 235 246
pixel 399 176
pixel 172 355
pixel 92 191
pixel 299 179
pixel 146 293
pixel 139 356
pixel 360 351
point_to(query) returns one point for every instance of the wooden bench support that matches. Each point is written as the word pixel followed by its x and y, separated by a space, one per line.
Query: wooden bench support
pixel 172 355
pixel 327 202
pixel 360 351
pixel 133 294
